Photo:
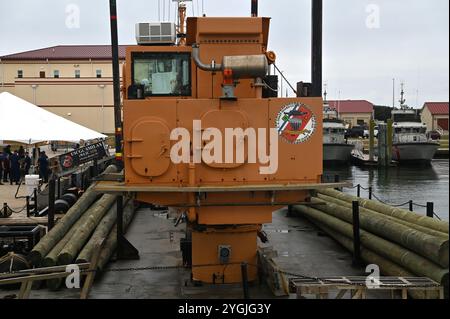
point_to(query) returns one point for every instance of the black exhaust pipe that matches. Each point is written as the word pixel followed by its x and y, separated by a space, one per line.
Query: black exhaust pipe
pixel 116 81
pixel 254 8
pixel 316 54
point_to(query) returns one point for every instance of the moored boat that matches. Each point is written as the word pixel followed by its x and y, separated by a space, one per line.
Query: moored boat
pixel 410 143
pixel 336 150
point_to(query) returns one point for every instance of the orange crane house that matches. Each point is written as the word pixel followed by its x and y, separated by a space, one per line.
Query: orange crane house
pixel 204 132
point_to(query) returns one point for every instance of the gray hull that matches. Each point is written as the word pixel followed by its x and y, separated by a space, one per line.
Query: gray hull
pixel 340 153
pixel 414 152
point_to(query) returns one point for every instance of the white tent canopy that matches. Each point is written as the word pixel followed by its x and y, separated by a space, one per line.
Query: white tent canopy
pixel 27 123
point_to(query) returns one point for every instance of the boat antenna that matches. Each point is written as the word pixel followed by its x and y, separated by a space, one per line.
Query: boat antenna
pixel 402 98
pixel 325 93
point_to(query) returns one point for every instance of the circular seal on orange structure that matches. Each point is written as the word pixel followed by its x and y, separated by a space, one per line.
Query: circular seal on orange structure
pixel 296 123
pixel 68 161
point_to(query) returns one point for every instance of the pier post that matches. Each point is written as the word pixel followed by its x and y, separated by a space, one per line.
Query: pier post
pixel 382 145
pixel 370 192
pixel 371 140
pixel 35 201
pixel 411 206
pixel 59 187
pixel 28 205
pixel 356 235
pixel 389 140
pixel 51 204
pixel 245 280
pixel 125 250
pixel 289 212
pixel 119 205
pixel 358 190
pixel 430 209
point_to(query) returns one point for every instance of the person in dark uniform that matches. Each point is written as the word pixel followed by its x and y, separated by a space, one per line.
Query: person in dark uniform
pixel 43 167
pixel 27 164
pixel 15 168
pixel 7 150
pixel 1 167
pixel 6 174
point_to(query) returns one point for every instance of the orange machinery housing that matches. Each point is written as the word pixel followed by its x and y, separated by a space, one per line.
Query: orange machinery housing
pixel 225 204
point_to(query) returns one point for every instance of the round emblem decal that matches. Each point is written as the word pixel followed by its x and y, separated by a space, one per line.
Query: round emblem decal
pixel 296 123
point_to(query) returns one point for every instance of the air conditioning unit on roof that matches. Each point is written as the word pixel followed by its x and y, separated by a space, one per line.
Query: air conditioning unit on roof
pixel 156 33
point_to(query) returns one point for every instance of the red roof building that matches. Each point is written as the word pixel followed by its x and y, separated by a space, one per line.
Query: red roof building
pixel 437 108
pixel 354 112
pixel 66 52
pixel 435 115
pixel 352 106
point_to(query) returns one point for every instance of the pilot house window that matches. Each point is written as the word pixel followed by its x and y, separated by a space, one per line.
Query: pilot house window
pixel 163 74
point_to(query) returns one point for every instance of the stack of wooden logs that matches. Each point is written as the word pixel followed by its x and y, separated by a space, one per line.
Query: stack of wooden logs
pixel 75 238
pixel 400 242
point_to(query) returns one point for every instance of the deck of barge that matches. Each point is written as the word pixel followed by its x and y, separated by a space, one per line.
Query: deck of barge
pixel 302 249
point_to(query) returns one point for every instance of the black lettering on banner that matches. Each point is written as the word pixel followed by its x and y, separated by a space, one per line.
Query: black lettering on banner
pixel 82 155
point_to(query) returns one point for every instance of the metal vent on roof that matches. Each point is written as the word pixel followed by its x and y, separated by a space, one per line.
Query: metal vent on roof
pixel 156 33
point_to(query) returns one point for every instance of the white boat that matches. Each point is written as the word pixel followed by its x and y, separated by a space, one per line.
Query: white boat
pixel 410 143
pixel 336 150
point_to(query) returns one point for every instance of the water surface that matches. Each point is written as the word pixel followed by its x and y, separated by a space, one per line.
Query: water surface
pixel 397 185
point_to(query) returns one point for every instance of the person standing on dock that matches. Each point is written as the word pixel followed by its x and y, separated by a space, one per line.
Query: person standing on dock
pixel 15 168
pixel 27 164
pixel 43 167
pixel 6 173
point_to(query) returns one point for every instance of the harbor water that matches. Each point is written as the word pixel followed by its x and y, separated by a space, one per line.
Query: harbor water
pixel 398 185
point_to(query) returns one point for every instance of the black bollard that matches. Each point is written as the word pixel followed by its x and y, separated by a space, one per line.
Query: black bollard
pixel 358 190
pixel 35 202
pixel 430 209
pixel 59 187
pixel 356 235
pixel 28 205
pixel 411 206
pixel 51 204
pixel 370 192
pixel 245 280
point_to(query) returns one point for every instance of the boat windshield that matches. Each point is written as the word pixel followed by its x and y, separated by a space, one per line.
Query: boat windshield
pixel 410 130
pixel 333 131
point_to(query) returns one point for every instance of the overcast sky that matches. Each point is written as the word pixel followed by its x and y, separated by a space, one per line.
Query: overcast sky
pixel 367 43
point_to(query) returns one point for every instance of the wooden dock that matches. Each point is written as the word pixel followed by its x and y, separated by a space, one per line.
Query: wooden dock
pixel 25 221
pixel 358 287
